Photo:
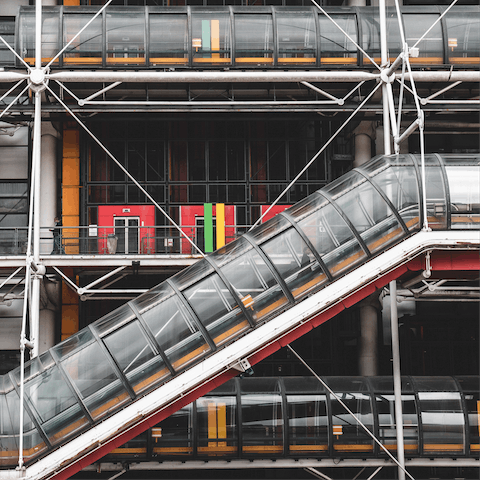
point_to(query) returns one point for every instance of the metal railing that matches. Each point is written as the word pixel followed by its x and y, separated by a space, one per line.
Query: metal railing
pixel 107 240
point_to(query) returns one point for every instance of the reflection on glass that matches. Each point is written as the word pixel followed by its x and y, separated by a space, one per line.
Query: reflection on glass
pixel 217 431
pixel 211 38
pixel 262 424
pixel 307 424
pixel 125 37
pixel 385 405
pixel 431 47
pixel 296 37
pixel 463 37
pixel 253 38
pixel 168 39
pixel 251 278
pixel 174 435
pixel 175 330
pixel 86 49
pixel 335 47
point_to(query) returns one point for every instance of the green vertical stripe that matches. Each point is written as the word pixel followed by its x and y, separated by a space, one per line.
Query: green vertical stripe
pixel 208 227
pixel 206 35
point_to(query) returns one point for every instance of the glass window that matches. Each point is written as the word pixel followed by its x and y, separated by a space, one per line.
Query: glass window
pixel 399 184
pixel 295 262
pixel 367 210
pixel 174 329
pixel 431 47
pixel 9 412
pixel 51 399
pixel 168 39
pixel 90 370
pixel 262 424
pixel 385 405
pixel 336 48
pixel 134 356
pixel 348 435
pixel 174 435
pixel 436 197
pixel 211 38
pixel 296 37
pixel 125 30
pixel 217 430
pixel 307 424
pixel 251 278
pixel 86 49
pixel 471 394
pixel 443 422
pixel 464 186
pixel 253 39
pixel 463 37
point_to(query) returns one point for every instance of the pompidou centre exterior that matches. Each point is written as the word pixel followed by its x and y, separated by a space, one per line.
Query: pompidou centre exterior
pixel 239 239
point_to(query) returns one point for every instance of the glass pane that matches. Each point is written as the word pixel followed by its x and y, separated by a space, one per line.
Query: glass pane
pixel 253 39
pixel 50 40
pixel 400 185
pixel 211 38
pixel 443 422
pixel 385 405
pixel 464 186
pixel 307 424
pixel 134 356
pixel 114 320
pixel 173 327
pixel 90 370
pixel 367 211
pixel 216 308
pixel 336 48
pixel 463 37
pixel 251 278
pixel 262 424
pixel 86 49
pixel 371 34
pixel 431 47
pixel 334 240
pixel 51 399
pixel 217 430
pixel 295 262
pixel 125 32
pixel 168 39
pixel 348 435
pixel 296 37
pixel 10 412
pixel 436 198
pixel 174 435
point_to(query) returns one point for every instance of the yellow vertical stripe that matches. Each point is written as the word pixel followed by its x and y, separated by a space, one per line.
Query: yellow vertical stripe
pixel 220 225
pixel 215 33
pixel 478 416
pixel 222 423
pixel 212 423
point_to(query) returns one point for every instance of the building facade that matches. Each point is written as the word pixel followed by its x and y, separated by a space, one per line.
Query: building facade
pixel 204 113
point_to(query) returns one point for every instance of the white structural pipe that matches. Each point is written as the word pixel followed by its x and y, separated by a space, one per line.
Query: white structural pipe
pixel 397 380
pixel 35 303
pixel 253 76
pixel 397 383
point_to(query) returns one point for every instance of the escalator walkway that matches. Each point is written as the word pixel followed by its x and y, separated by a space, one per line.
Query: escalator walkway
pixel 188 334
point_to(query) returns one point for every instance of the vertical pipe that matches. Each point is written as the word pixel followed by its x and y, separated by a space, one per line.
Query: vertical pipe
pixel 35 305
pixel 38 34
pixel 397 382
pixel 208 227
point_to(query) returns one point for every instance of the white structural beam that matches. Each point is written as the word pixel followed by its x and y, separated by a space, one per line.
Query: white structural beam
pixel 253 76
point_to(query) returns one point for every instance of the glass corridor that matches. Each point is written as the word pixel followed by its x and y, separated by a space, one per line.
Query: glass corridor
pixel 147 341
pixel 245 37
pixel 297 417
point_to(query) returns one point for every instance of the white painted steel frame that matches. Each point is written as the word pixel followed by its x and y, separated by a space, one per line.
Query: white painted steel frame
pixel 224 359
